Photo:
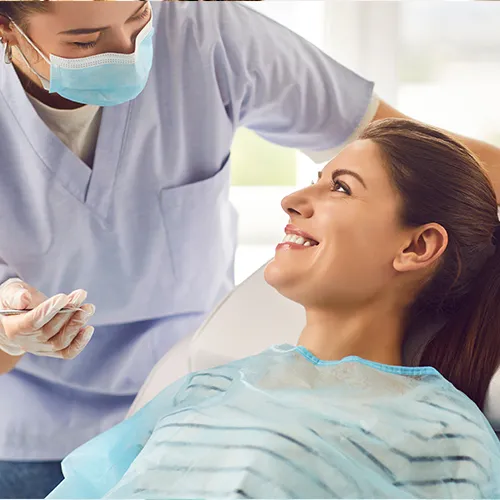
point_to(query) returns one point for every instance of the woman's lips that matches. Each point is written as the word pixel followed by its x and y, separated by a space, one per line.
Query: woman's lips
pixel 296 239
pixel 291 229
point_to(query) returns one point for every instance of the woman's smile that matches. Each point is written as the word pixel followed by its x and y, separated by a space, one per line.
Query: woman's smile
pixel 296 239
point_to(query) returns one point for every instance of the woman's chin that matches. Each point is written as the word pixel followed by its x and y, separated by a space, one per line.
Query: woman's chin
pixel 284 281
pixel 273 274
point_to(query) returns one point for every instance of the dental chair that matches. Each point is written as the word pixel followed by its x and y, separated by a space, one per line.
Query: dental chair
pixel 250 319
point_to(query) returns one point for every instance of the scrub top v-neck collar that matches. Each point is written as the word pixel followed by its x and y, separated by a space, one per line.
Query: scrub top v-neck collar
pixel 93 188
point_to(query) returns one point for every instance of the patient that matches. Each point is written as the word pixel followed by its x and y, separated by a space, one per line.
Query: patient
pixel 400 226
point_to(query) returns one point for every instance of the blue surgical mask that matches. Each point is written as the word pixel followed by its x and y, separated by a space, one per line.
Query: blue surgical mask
pixel 104 79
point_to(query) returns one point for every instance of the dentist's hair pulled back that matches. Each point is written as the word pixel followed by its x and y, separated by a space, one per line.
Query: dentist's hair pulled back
pixel 20 11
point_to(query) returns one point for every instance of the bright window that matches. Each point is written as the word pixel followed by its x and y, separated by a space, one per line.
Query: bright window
pixel 449 65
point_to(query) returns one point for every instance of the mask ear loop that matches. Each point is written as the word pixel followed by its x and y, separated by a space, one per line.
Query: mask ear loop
pixel 7 57
pixel 28 39
pixel 45 83
pixel 8 54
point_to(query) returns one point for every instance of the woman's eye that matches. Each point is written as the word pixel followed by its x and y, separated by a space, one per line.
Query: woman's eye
pixel 340 187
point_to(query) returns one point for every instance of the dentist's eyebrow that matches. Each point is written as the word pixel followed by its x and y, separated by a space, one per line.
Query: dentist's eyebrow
pixel 84 31
pixel 345 171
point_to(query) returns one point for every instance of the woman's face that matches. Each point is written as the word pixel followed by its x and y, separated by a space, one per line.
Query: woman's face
pixel 81 29
pixel 352 212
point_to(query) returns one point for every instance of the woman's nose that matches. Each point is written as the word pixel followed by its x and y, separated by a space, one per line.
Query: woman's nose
pixel 298 203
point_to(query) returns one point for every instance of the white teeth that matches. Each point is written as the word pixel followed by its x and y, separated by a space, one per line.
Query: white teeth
pixel 299 240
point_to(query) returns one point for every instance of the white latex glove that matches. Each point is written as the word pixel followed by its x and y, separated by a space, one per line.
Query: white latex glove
pixel 42 331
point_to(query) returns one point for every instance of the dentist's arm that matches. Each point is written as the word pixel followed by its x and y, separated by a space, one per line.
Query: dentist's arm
pixel 295 95
pixel 8 362
pixel 488 154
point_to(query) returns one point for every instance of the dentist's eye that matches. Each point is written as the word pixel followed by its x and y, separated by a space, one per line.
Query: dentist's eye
pixel 340 187
pixel 85 45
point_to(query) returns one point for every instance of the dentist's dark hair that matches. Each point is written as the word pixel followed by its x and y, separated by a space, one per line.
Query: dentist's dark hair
pixel 19 11
pixel 441 181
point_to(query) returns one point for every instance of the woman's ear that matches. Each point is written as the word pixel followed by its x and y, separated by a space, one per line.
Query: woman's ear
pixel 422 249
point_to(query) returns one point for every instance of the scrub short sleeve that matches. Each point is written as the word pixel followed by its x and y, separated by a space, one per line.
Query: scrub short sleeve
pixel 283 87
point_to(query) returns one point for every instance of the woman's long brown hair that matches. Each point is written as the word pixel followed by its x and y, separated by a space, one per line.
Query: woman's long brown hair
pixel 441 181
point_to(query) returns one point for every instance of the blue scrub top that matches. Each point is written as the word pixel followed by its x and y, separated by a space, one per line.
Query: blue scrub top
pixel 149 231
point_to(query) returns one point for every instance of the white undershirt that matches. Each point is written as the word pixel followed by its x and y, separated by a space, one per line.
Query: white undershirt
pixel 76 128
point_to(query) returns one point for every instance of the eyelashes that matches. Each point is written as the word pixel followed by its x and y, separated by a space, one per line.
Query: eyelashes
pixel 90 45
pixel 335 184
pixel 87 45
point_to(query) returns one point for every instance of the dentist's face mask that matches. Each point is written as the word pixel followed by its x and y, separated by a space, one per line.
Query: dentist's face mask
pixel 105 79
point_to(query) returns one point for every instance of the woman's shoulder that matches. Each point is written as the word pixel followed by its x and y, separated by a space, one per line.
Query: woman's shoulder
pixel 460 415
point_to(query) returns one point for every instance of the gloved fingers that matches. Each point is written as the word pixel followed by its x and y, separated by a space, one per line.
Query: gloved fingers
pixel 77 298
pixel 28 323
pixel 58 323
pixel 37 297
pixel 57 326
pixel 65 335
pixel 77 345
pixel 14 295
pixel 32 344
pixel 46 343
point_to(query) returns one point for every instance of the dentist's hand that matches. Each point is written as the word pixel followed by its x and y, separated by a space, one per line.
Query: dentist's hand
pixel 42 331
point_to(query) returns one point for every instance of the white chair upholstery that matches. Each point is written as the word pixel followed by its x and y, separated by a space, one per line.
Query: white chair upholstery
pixel 174 365
pixel 251 318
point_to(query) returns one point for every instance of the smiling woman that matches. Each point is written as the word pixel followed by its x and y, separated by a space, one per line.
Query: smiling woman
pixel 399 238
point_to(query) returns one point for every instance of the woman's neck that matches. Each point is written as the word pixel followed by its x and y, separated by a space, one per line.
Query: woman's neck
pixel 373 333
